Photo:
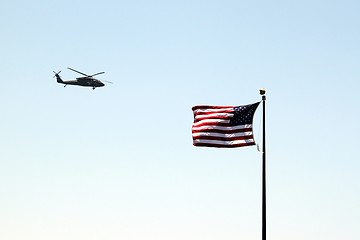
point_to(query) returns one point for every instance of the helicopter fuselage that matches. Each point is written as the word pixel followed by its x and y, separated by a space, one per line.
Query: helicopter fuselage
pixel 84 82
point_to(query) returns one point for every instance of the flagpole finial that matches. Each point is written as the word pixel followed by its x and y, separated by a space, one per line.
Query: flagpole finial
pixel 262 91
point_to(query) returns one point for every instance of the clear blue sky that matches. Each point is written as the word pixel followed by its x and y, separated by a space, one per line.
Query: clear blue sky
pixel 118 162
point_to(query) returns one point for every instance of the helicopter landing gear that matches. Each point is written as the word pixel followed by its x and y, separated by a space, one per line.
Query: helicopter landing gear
pixel 65 85
pixel 93 88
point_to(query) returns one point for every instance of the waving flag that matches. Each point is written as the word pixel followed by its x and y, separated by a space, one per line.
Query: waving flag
pixel 223 126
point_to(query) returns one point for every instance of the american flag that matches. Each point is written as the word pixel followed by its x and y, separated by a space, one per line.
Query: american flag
pixel 223 126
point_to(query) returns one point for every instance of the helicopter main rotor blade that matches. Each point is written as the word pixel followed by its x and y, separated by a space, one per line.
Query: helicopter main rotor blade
pixel 79 72
pixel 96 74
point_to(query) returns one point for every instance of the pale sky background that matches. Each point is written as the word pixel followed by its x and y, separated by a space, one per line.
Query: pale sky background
pixel 118 162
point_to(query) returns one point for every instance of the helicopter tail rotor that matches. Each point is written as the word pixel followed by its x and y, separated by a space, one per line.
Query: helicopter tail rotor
pixel 56 73
pixel 58 78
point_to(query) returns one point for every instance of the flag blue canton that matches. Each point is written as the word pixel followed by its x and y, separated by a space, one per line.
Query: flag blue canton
pixel 243 114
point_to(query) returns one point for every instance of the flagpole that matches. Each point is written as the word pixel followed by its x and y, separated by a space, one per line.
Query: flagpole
pixel 262 93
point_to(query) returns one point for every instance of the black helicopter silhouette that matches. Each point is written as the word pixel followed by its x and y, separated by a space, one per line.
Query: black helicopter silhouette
pixel 87 81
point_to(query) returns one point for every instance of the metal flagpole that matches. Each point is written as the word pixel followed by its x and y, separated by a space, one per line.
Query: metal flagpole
pixel 262 93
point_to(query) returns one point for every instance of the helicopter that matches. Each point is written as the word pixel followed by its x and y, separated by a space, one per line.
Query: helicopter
pixel 87 81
